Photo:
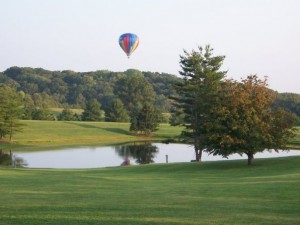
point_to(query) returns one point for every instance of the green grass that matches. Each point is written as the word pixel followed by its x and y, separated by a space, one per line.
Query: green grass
pixel 67 133
pixel 48 134
pixel 224 192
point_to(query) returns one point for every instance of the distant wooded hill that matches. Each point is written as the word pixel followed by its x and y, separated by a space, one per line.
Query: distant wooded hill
pixel 60 88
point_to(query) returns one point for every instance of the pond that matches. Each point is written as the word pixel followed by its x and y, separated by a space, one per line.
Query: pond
pixel 110 156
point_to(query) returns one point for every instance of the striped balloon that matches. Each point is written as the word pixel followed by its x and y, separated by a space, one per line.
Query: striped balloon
pixel 128 42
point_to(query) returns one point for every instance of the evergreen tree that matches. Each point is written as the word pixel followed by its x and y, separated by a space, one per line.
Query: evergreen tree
pixel 116 112
pixel 92 111
pixel 199 94
pixel 134 114
pixel 145 121
pixel 41 113
pixel 67 115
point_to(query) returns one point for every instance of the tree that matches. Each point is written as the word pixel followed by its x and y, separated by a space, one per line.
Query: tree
pixel 143 153
pixel 67 115
pixel 10 112
pixel 5 159
pixel 116 112
pixel 145 121
pixel 41 113
pixel 246 123
pixel 92 111
pixel 58 88
pixel 199 94
pixel 134 90
pixel 289 102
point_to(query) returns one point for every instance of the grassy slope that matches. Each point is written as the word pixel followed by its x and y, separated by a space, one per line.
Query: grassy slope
pixel 225 192
pixel 57 133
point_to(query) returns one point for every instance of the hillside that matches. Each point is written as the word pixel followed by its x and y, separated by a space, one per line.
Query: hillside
pixel 56 89
pixel 59 88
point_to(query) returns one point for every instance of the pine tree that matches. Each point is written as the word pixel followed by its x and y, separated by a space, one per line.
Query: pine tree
pixel 116 112
pixel 67 115
pixel 199 94
pixel 92 111
pixel 145 120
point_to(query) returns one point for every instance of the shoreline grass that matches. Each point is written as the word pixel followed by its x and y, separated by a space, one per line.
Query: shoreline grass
pixel 208 193
pixel 45 134
pixel 38 134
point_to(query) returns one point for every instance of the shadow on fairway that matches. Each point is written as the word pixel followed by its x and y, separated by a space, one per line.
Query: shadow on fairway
pixel 109 129
pixel 117 130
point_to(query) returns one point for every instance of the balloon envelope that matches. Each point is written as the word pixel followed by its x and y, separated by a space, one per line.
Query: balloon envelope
pixel 128 42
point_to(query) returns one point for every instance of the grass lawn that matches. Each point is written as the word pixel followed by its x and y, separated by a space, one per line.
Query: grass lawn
pixel 42 134
pixel 66 133
pixel 209 193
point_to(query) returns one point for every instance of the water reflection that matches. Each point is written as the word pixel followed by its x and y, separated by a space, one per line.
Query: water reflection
pixel 18 162
pixel 109 156
pixel 8 159
pixel 5 159
pixel 141 153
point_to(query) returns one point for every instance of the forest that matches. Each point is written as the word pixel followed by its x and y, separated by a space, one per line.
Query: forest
pixel 43 89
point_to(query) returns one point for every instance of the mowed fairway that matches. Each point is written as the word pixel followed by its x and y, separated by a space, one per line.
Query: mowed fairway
pixel 224 192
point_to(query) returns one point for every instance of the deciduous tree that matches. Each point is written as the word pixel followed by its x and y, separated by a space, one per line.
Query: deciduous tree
pixel 134 90
pixel 247 124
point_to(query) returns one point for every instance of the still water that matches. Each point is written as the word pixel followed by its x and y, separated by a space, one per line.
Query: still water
pixel 136 153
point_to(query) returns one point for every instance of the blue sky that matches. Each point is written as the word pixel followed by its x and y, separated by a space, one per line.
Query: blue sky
pixel 257 37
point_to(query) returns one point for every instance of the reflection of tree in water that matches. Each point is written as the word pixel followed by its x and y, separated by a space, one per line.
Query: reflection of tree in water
pixel 19 162
pixel 10 160
pixel 5 159
pixel 142 153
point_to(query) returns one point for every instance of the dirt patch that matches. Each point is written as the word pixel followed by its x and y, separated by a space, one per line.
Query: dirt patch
pixel 4 140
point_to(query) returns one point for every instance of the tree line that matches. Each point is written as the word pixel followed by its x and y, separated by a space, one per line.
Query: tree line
pixel 59 88
pixel 43 89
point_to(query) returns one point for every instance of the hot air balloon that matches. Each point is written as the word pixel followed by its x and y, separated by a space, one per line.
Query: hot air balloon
pixel 128 42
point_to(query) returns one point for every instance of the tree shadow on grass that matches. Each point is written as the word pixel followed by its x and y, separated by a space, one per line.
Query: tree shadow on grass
pixel 117 130
pixel 109 129
pixel 83 125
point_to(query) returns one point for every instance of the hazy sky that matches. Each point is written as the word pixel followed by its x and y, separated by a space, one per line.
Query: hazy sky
pixel 257 36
